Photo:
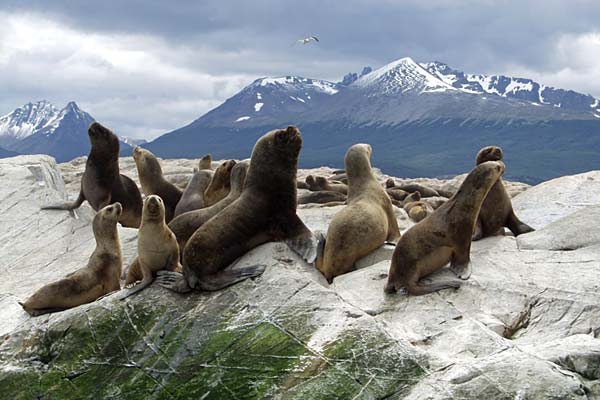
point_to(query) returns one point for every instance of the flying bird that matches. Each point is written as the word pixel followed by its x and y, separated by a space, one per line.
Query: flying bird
pixel 308 40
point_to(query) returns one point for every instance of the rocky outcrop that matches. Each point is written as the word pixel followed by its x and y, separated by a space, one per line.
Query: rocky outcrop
pixel 525 324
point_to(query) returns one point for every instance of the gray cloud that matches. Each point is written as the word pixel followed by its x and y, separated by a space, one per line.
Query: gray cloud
pixel 147 67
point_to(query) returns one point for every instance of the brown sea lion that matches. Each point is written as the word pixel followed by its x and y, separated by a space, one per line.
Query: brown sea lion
pixel 153 182
pixel 321 197
pixel 497 211
pixel 157 247
pixel 365 224
pixel 98 278
pixel 418 210
pixel 339 178
pixel 397 194
pixel 312 183
pixel 101 183
pixel 324 184
pixel 266 211
pixel 184 225
pixel 220 183
pixel 442 237
pixel 205 162
pixel 411 198
pixel 301 185
pixel 193 195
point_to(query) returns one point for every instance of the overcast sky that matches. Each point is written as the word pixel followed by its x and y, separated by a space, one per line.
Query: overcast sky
pixel 147 67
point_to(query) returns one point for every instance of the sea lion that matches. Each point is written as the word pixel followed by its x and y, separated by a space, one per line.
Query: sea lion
pixel 220 183
pixel 321 197
pixel 301 185
pixel 397 194
pixel 265 211
pixel 497 211
pixel 339 178
pixel 324 184
pixel 193 195
pixel 312 183
pixel 418 210
pixel 412 187
pixel 153 182
pixel 184 225
pixel 365 224
pixel 98 278
pixel 442 237
pixel 157 247
pixel 205 162
pixel 411 198
pixel 101 183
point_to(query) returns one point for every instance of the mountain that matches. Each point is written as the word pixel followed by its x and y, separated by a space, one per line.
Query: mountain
pixel 7 153
pixel 422 119
pixel 41 128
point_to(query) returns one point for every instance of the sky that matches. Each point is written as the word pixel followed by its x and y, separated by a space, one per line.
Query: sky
pixel 147 67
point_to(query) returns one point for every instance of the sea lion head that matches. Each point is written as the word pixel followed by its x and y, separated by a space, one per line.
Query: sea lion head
pixel 105 220
pixel 310 181
pixel 222 176
pixel 489 153
pixel 205 162
pixel 414 196
pixel 103 138
pixel 321 182
pixel 275 158
pixel 480 177
pixel 390 183
pixel 358 160
pixel 147 159
pixel 238 175
pixel 154 209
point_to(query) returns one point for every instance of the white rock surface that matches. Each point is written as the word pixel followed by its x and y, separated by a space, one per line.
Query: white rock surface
pixel 525 325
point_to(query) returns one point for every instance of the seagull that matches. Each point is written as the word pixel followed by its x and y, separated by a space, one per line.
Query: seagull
pixel 308 40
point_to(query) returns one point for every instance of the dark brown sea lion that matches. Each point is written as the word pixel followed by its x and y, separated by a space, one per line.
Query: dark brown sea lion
pixel 266 211
pixel 101 183
pixel 184 225
pixel 365 224
pixel 98 278
pixel 220 183
pixel 397 194
pixel 442 237
pixel 312 183
pixel 497 211
pixel 153 182
pixel 157 247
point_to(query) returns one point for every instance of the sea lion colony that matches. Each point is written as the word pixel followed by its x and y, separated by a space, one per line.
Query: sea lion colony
pixel 188 240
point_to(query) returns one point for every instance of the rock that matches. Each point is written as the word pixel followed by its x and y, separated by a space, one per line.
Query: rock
pixel 557 198
pixel 522 326
pixel 576 230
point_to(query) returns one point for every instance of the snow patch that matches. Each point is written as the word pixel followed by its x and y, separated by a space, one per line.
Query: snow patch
pixel 258 106
pixel 536 104
pixel 516 86
pixel 258 96
pixel 595 104
pixel 244 118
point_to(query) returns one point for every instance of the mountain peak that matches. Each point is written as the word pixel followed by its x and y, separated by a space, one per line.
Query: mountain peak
pixel 400 76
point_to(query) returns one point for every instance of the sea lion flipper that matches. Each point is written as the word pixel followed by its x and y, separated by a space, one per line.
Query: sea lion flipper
pixel 70 205
pixel 229 277
pixel 516 226
pixel 300 239
pixel 463 271
pixel 478 232
pixel 421 288
pixel 173 281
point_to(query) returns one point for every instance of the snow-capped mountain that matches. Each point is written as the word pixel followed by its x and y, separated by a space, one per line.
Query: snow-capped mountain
pixel 516 88
pixel 40 127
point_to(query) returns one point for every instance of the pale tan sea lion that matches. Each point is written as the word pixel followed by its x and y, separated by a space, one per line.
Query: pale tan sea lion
pixel 442 237
pixel 101 183
pixel 98 278
pixel 206 162
pixel 157 247
pixel 365 224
